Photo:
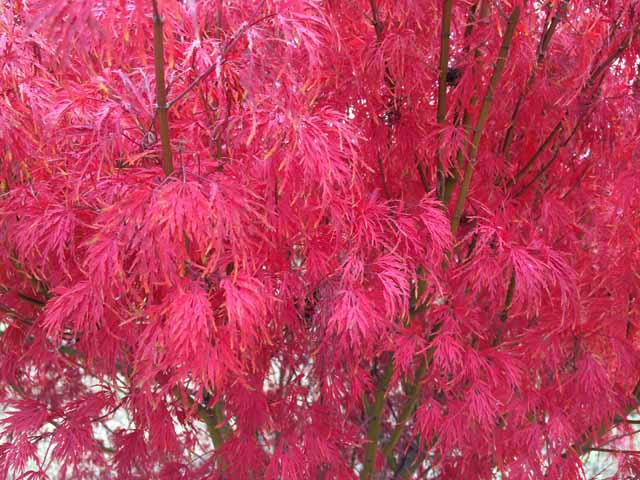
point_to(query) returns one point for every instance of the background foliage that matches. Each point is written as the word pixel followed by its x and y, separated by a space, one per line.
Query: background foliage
pixel 338 239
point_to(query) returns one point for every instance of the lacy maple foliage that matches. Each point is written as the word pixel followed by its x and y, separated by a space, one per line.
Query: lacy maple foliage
pixel 312 239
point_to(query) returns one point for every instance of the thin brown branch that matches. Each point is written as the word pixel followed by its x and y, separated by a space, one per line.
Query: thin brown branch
pixel 613 56
pixel 578 180
pixel 385 188
pixel 411 458
pixel 554 156
pixel 509 298
pixel 406 412
pixel 549 30
pixel 452 180
pixel 375 411
pixel 445 39
pixel 161 93
pixel 613 450
pixel 423 177
pixel 219 30
pixel 392 112
pixel 413 390
pixel 483 116
pixel 377 23
pixel 584 444
pixel 547 141
pixel 31 300
pixel 375 424
pixel 211 417
pixel 595 79
pixel 620 437
pixel 104 448
pixel 505 310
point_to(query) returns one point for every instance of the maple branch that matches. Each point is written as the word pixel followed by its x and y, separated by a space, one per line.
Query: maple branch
pixel 471 19
pixel 392 109
pixel 377 24
pixel 375 424
pixel 445 34
pixel 104 448
pixel 613 56
pixel 483 116
pixel 556 151
pixel 161 93
pixel 620 436
pixel 481 121
pixel 414 394
pixel 507 305
pixel 423 178
pixel 211 418
pixel 31 300
pixel 550 28
pixel 38 285
pixel 593 78
pixel 375 411
pixel 509 298
pixel 613 450
pixel 577 182
pixel 586 441
pixel 407 411
pixel 383 178
pixel 451 181
pixel 411 460
pixel 536 155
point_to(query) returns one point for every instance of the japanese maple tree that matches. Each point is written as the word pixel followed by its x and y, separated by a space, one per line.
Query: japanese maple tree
pixel 312 239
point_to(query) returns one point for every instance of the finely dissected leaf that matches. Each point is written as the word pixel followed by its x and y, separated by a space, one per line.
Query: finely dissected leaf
pixel 25 416
pixel 79 306
pixel 303 239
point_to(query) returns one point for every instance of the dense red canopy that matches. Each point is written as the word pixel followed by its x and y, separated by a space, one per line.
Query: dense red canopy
pixel 341 239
